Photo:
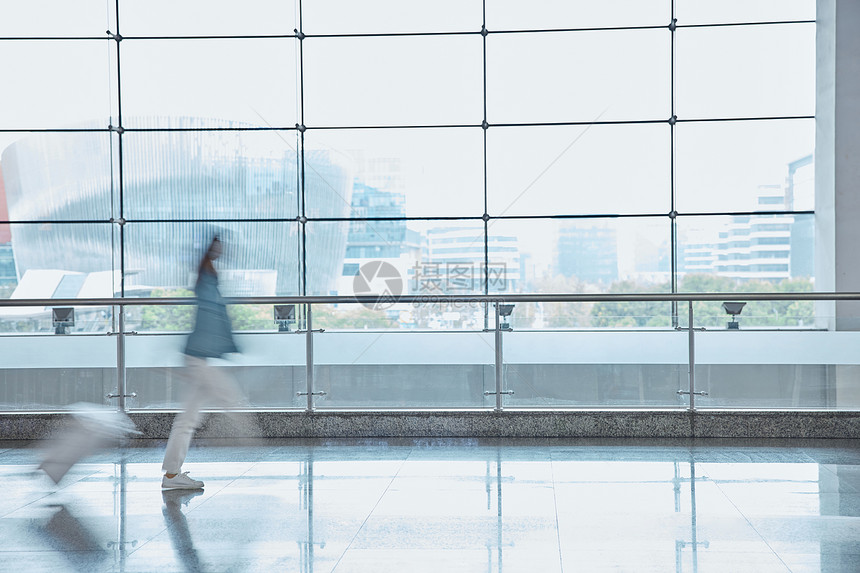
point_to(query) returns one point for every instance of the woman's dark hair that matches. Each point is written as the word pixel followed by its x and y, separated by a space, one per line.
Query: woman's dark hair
pixel 206 261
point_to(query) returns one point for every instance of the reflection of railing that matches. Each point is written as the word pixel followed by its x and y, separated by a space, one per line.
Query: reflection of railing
pixel 497 306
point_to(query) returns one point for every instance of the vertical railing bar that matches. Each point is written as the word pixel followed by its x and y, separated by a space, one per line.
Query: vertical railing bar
pixel 120 358
pixel 498 348
pixel 692 358
pixel 309 358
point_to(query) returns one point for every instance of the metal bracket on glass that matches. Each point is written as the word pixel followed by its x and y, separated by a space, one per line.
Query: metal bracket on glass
pixel 132 332
pixel 312 330
pixel 132 395
pixel 312 393
pixel 686 329
pixel 491 393
pixel 687 392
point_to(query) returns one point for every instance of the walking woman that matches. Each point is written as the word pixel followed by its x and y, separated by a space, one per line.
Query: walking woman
pixel 212 337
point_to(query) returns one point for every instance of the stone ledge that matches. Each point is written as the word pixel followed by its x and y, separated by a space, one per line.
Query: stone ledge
pixel 480 424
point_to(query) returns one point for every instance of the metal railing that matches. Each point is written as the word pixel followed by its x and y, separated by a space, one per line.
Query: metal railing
pixel 495 301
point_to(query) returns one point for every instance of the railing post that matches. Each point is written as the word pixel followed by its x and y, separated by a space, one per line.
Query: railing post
pixel 691 346
pixel 692 359
pixel 120 359
pixel 309 358
pixel 499 363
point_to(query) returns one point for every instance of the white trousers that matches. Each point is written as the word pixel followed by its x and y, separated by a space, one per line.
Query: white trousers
pixel 207 386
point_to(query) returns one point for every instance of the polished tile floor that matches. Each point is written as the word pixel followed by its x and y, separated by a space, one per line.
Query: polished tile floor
pixel 441 506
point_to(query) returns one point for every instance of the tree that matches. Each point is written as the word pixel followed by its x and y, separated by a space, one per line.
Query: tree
pixel 169 318
pixel 633 314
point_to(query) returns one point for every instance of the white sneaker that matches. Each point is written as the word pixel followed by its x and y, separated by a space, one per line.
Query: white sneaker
pixel 180 481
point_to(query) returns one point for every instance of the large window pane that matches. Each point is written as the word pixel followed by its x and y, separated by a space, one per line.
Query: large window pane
pixel 745 71
pixel 624 255
pixel 586 255
pixel 69 259
pixel 578 76
pixel 744 166
pixel 595 369
pixel 578 170
pixel 390 16
pixel 746 253
pixel 551 14
pixel 269 368
pixel 800 370
pixel 54 372
pixel 404 369
pixel 243 81
pixel 451 260
pixel 426 257
pixel 723 11
pixel 260 259
pixel 415 173
pixel 209 174
pixel 55 84
pixel 434 80
pixel 58 176
pixel 325 245
pixel 330 183
pixel 55 18
pixel 207 17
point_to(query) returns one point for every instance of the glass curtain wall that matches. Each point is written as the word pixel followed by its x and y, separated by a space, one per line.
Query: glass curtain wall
pixel 382 147
pixel 476 147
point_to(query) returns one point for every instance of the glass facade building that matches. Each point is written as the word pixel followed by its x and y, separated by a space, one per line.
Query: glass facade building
pixel 177 191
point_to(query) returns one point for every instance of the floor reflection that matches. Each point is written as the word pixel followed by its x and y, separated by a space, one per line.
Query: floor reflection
pixel 691 545
pixel 177 526
pixel 73 539
pixel 306 504
pixel 416 507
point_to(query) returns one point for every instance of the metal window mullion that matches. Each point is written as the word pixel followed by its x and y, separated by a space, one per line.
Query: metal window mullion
pixel 120 338
pixel 303 266
pixel 484 127
pixel 673 211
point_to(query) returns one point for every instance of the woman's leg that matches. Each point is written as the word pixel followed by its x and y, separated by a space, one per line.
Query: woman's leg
pixel 187 421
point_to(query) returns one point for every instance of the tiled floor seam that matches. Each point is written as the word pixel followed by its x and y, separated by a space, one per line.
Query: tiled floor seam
pixel 369 513
pixel 774 551
pixel 555 505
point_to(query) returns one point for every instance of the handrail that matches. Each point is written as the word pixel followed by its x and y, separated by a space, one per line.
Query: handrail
pixel 120 304
pixel 444 298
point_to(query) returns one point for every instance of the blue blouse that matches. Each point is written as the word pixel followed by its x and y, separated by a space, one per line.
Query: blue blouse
pixel 213 334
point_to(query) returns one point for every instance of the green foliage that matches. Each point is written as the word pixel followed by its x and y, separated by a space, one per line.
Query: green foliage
pixel 770 313
pixel 169 318
pixel 707 313
pixel 641 314
pixel 252 317
pixel 351 317
pixel 556 314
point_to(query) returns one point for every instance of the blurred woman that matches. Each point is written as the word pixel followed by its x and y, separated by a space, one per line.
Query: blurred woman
pixel 212 337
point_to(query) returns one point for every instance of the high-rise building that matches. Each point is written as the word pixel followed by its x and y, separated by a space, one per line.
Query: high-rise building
pixel 371 239
pixel 589 254
pixel 768 246
pixel 454 262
